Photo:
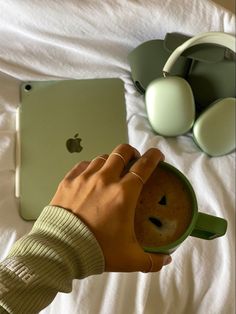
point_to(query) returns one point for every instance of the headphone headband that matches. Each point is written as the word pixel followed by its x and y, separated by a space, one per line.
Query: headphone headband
pixel 218 38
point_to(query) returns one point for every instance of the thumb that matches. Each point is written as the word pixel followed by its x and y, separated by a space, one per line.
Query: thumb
pixel 155 262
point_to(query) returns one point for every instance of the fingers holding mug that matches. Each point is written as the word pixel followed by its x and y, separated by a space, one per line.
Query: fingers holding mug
pixel 119 159
pixel 141 170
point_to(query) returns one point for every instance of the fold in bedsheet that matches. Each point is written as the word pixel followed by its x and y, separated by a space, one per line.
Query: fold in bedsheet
pixel 90 39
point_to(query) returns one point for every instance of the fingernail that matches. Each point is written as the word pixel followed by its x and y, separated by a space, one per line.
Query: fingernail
pixel 162 157
pixel 167 260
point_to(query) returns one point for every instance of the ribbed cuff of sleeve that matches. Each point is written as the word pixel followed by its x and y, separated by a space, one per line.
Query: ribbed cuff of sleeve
pixel 75 236
pixel 59 248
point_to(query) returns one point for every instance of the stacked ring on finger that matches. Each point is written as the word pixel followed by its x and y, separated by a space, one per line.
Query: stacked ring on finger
pixel 100 157
pixel 120 156
pixel 137 176
pixel 119 159
pixel 144 166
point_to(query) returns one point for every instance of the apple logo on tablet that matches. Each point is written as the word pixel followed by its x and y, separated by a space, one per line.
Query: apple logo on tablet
pixel 73 145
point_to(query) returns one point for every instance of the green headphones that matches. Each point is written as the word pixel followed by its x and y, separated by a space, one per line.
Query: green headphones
pixel 171 108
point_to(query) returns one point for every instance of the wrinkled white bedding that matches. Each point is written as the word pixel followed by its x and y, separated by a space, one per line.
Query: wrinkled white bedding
pixel 42 40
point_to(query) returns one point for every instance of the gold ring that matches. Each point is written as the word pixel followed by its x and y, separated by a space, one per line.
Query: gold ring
pixel 151 264
pixel 99 157
pixel 121 157
pixel 137 175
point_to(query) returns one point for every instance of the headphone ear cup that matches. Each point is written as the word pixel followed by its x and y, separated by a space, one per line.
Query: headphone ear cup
pixel 214 130
pixel 170 106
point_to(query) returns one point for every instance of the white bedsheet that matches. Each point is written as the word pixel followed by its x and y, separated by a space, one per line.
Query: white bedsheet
pixel 42 40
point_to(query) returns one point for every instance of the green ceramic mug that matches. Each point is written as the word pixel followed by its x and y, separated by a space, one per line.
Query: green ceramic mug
pixel 201 225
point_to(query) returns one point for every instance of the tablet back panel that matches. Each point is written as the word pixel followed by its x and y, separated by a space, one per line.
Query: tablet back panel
pixel 55 119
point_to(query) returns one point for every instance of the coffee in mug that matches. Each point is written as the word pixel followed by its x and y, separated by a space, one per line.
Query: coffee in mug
pixel 167 213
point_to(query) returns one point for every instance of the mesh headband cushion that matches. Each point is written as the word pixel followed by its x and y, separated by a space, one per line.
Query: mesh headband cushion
pixel 217 38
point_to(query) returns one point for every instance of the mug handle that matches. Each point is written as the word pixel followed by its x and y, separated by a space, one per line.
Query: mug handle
pixel 209 227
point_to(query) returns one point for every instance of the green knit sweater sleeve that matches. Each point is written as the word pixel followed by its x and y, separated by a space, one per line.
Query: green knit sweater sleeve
pixel 59 248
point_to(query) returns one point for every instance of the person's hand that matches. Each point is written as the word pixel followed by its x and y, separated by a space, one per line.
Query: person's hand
pixel 104 194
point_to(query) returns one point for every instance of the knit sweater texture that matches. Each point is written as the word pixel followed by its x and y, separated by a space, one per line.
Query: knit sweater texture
pixel 58 249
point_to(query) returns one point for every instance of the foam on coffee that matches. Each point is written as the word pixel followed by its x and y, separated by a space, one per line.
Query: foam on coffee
pixel 164 209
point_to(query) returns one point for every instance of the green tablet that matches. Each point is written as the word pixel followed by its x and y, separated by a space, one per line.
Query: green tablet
pixel 60 123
